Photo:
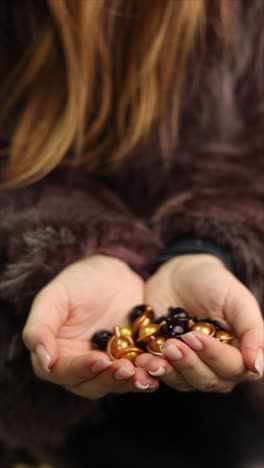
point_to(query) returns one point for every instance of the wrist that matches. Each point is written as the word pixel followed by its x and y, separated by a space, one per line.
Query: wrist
pixel 195 246
pixel 109 262
pixel 193 260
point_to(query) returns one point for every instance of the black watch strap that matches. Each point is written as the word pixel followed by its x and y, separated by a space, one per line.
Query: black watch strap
pixel 195 246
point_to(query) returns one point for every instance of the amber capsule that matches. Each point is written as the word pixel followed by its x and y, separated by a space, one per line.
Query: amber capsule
pixel 131 353
pixel 190 323
pixel 142 321
pixel 125 331
pixel 150 330
pixel 155 344
pixel 224 336
pixel 215 323
pixel 118 343
pixel 204 327
pixel 138 311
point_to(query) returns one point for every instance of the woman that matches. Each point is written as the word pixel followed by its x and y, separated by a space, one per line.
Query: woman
pixel 130 134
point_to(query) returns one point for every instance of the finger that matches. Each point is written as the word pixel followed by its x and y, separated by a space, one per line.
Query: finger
pixel 158 366
pixel 155 365
pixel 244 315
pixel 194 371
pixel 142 381
pixel 114 381
pixel 68 371
pixel 94 372
pixel 175 380
pixel 116 377
pixel 225 360
pixel 49 310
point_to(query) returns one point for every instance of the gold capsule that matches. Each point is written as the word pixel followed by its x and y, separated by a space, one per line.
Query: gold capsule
pixel 190 323
pixel 142 321
pixel 131 353
pixel 224 336
pixel 117 344
pixel 204 327
pixel 155 344
pixel 145 333
pixel 125 331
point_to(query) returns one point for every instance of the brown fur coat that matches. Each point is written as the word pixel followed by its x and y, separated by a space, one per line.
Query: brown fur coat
pixel 214 190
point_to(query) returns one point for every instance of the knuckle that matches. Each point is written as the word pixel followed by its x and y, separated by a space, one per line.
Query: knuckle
pixel 227 389
pixel 72 390
pixel 184 388
pixel 236 374
pixel 211 385
pixel 86 392
pixel 190 364
pixel 252 377
pixel 89 394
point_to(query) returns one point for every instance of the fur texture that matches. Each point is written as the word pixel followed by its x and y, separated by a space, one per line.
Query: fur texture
pixel 213 190
pixel 44 228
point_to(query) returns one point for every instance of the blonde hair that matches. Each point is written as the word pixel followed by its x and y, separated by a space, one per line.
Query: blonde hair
pixel 97 78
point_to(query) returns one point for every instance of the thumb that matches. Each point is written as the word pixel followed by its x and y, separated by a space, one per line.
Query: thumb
pixel 49 310
pixel 244 315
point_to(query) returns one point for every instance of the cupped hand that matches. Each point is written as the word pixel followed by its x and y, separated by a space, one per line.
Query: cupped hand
pixel 92 294
pixel 203 286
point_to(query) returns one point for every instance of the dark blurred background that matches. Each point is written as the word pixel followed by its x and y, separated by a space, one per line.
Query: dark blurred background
pixel 177 430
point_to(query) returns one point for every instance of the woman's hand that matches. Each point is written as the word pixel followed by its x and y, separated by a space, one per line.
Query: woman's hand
pixel 92 294
pixel 202 285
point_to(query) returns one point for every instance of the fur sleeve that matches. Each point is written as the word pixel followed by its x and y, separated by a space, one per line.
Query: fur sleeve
pixel 44 228
pixel 216 190
pixel 234 223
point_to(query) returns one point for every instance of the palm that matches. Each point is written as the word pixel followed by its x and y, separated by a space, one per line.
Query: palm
pixel 202 289
pixel 91 297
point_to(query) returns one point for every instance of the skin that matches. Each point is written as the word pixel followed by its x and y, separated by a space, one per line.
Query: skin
pixel 92 294
pixel 203 286
pixel 99 291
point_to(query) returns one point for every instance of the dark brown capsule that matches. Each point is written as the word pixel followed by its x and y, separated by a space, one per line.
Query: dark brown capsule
pixel 162 318
pixel 178 313
pixel 100 339
pixel 172 329
pixel 138 311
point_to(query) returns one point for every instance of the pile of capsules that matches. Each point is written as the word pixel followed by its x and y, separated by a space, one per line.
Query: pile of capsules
pixel 146 333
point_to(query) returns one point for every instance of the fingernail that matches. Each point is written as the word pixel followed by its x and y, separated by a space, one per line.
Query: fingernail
pixel 259 362
pixel 157 373
pixel 172 352
pixel 123 373
pixel 141 386
pixel 43 357
pixel 192 341
pixel 100 365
